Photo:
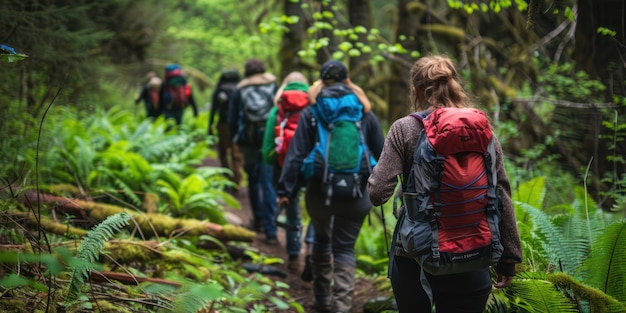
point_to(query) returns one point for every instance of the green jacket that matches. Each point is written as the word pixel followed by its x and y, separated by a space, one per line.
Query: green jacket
pixel 268 150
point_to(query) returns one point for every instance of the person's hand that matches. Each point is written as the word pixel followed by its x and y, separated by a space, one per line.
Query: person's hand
pixel 280 201
pixel 503 281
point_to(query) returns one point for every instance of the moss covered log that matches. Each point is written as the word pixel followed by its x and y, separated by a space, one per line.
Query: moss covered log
pixel 150 224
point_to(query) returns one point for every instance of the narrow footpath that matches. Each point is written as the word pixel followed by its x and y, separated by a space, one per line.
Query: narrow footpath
pixel 299 290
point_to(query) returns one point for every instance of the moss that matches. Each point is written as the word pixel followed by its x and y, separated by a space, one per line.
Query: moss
pixel 104 306
pixel 127 251
pixel 238 233
pixel 150 202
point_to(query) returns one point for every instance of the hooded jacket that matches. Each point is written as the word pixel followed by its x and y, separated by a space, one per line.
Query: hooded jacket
pixel 236 105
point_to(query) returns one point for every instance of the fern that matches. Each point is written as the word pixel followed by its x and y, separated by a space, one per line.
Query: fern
pixel 607 263
pixel 532 292
pixel 89 250
pixel 556 246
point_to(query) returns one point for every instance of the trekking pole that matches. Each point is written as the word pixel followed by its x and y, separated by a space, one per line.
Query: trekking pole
pixel 382 215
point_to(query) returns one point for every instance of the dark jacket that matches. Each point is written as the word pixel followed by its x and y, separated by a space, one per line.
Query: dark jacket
pixel 236 106
pixel 221 96
pixel 291 179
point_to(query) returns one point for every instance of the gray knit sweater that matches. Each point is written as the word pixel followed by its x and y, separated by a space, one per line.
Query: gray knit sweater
pixel 395 162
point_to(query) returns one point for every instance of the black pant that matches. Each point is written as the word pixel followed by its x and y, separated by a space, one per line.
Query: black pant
pixel 458 293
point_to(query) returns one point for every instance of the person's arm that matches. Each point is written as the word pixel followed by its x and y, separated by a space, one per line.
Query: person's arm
pixel 192 102
pixel 508 227
pixel 384 177
pixel 374 138
pixel 233 113
pixel 214 106
pixel 142 95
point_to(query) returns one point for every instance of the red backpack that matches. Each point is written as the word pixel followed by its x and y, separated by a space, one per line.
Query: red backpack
pixel 176 90
pixel 452 207
pixel 290 103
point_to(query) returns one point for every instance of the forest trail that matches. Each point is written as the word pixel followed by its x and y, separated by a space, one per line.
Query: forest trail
pixel 300 291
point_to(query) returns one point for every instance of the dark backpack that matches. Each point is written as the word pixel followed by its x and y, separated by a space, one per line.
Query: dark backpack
pixel 257 102
pixel 340 158
pixel 290 104
pixel 176 91
pixel 452 209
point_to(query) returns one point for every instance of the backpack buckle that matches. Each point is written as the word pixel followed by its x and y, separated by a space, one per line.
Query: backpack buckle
pixel 436 254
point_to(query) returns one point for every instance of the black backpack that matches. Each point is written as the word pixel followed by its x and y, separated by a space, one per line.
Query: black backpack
pixel 257 101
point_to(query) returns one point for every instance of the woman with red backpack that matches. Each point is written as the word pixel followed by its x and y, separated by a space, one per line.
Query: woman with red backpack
pixel 435 84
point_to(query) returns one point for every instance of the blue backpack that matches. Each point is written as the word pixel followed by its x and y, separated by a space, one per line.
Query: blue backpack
pixel 340 158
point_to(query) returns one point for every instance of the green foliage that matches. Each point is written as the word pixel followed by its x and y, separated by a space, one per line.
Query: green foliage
pixel 89 251
pixel 532 293
pixel 372 245
pixel 117 157
pixel 564 82
pixel 579 246
pixel 606 265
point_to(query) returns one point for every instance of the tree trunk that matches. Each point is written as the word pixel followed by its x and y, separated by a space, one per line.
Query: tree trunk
pixel 360 15
pixel 292 39
pixel 600 55
pixel 399 104
pixel 325 53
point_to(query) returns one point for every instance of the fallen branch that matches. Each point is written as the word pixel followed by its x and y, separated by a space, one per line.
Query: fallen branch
pixel 155 223
pixel 127 279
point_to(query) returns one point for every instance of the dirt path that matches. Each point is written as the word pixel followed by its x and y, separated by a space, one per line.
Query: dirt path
pixel 299 290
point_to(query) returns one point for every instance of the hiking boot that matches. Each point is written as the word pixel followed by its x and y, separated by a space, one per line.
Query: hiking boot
pixel 324 308
pixel 307 273
pixel 322 268
pixel 255 225
pixel 343 288
pixel 293 265
pixel 271 241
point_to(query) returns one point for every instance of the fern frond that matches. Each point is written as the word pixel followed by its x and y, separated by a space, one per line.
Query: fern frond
pixel 607 263
pixel 532 192
pixel 532 292
pixel 89 250
pixel 557 247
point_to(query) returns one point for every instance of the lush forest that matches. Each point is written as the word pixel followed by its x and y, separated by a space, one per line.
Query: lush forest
pixel 104 210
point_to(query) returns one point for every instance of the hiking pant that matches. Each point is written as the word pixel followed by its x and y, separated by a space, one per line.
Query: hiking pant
pixel 229 154
pixel 458 293
pixel 260 189
pixel 336 229
pixel 177 115
pixel 293 232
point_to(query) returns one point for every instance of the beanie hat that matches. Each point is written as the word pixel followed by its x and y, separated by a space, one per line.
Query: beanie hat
pixel 334 70
pixel 254 66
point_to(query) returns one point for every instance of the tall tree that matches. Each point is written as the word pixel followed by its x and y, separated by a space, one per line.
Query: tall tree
pixel 292 38
pixel 602 55
pixel 360 15
pixel 406 34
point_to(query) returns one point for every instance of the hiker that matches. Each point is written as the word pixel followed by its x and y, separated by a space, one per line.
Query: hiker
pixel 435 84
pixel 150 95
pixel 336 219
pixel 176 94
pixel 248 112
pixel 292 97
pixel 228 152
